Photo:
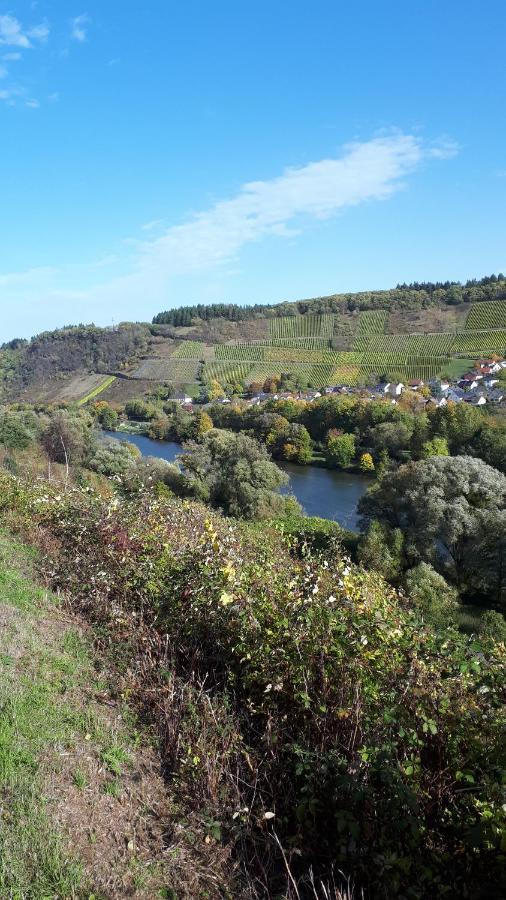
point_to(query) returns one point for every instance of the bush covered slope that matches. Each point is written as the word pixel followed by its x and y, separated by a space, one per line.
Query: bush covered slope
pixel 304 708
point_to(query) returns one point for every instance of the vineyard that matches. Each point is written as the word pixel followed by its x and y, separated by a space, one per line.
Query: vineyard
pixel 480 342
pixel 487 315
pixel 189 350
pixel 179 371
pixel 302 326
pixel 226 372
pixel 412 344
pixel 372 321
pixel 301 345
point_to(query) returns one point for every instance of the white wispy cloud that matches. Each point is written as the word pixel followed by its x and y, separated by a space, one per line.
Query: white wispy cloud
pixel 39 32
pixel 211 240
pixel 32 104
pixel 13 34
pixel 11 57
pixel 372 170
pixel 79 30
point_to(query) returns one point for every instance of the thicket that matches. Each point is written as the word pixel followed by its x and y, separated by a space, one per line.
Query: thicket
pixel 304 709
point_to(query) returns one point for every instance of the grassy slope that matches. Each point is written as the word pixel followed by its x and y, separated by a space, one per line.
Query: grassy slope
pixel 75 790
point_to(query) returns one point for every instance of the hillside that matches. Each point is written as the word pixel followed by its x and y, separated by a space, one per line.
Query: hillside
pixel 310 722
pixel 410 332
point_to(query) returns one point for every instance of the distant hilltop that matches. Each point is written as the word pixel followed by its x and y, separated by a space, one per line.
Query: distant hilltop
pixel 414 331
pixel 416 295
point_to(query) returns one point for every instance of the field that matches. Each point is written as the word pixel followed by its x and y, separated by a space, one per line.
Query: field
pixel 372 321
pixel 302 326
pixel 487 315
pixel 98 390
pixel 178 371
pixel 412 344
pixel 480 342
pixel 226 372
pixel 189 350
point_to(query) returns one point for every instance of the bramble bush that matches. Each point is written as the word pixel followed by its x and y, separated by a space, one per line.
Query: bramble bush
pixel 343 728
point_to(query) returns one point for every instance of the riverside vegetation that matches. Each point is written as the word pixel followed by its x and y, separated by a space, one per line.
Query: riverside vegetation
pixel 321 731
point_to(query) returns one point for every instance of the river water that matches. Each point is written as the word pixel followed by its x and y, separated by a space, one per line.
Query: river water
pixel 321 492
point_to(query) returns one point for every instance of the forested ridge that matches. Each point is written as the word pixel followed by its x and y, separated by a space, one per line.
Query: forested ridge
pixel 414 296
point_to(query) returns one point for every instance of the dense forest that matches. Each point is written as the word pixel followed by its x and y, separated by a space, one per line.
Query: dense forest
pixel 415 296
pixel 69 349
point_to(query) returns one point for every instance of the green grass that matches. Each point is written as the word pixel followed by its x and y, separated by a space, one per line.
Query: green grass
pixel 98 390
pixel 46 678
pixel 35 718
pixel 457 367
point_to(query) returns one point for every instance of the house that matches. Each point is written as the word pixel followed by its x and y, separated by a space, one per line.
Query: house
pixel 181 397
pixel 415 384
pixel 475 399
pixel 395 389
pixel 488 366
pixel 309 396
pixel 435 402
pixel 469 382
pixel 496 395
pixel 439 385
pixel 455 394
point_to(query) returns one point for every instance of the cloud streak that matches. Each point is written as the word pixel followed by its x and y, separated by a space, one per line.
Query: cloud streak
pixel 208 241
pixel 279 207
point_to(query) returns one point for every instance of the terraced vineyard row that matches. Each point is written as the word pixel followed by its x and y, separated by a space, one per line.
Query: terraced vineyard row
pixel 226 372
pixel 189 350
pixel 179 371
pixel 487 315
pixel 480 342
pixel 413 344
pixel 261 352
pixel 318 375
pixel 372 321
pixel 302 326
pixel 308 343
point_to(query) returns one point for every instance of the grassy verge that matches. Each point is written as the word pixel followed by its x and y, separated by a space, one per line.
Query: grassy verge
pixel 33 860
pixel 64 767
pixel 98 390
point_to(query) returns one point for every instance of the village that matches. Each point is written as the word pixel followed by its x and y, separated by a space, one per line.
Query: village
pixel 478 387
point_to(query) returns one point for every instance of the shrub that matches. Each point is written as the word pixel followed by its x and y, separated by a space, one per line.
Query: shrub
pixel 335 719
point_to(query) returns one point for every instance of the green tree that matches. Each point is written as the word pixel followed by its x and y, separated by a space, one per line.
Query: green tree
pixel 15 434
pixel 452 512
pixel 234 472
pixel 297 445
pixel 67 438
pixel 340 449
pixel 438 446
pixel 381 549
pixel 435 599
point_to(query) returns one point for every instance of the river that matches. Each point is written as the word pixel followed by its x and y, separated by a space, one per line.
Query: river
pixel 321 492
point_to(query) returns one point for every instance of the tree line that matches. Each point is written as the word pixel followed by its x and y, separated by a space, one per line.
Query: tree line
pixel 414 296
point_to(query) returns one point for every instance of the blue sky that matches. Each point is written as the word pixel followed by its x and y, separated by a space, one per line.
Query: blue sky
pixel 166 153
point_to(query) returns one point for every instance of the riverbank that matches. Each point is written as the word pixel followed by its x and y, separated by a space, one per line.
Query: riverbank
pixel 327 493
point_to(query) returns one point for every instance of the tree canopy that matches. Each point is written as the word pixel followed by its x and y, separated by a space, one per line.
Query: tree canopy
pixel 452 512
